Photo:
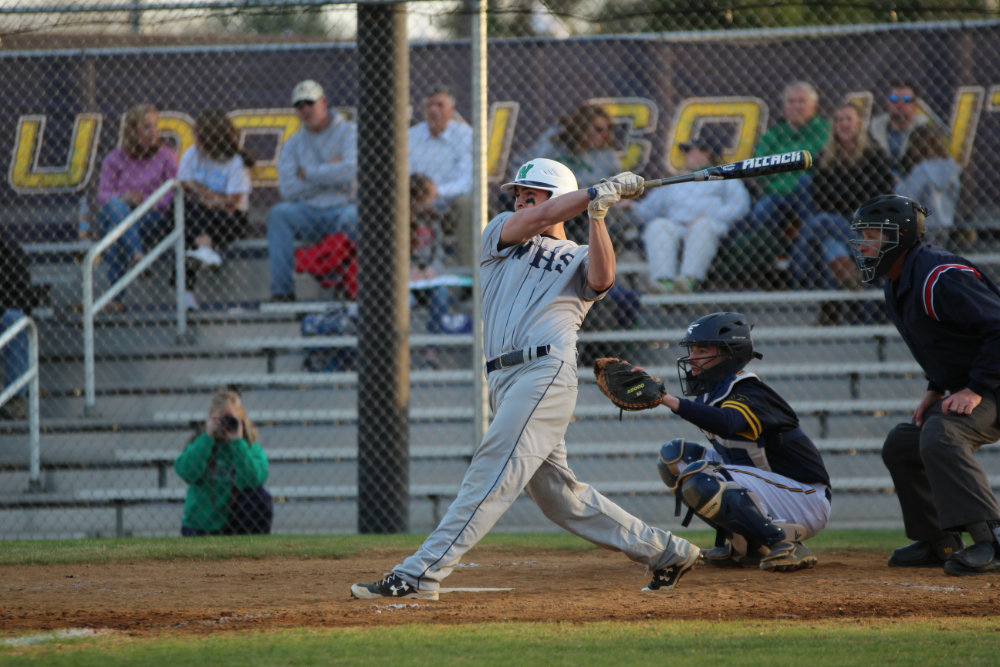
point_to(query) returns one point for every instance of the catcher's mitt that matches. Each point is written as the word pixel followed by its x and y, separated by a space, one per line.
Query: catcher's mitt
pixel 627 388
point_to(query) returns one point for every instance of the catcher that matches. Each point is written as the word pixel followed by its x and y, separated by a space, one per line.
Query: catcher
pixel 762 485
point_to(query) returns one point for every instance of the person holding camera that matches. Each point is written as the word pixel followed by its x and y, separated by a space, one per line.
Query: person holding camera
pixel 225 469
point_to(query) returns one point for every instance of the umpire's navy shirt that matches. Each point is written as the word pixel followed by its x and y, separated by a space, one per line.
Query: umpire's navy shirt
pixel 948 312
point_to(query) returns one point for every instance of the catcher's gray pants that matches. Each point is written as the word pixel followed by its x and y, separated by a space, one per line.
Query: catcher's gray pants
pixel 524 450
pixel 939 482
pixel 784 499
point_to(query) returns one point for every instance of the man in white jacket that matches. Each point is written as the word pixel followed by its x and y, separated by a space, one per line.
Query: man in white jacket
pixel 683 222
pixel 441 148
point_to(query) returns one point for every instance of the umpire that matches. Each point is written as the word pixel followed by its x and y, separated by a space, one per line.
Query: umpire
pixel 948 313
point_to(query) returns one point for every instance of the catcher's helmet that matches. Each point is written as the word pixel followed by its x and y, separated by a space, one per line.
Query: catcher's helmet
pixel 899 219
pixel 543 174
pixel 730 332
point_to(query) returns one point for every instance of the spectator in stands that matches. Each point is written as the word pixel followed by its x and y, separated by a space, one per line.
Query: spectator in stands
pixel 756 252
pixel 584 142
pixel 892 129
pixel 317 178
pixel 850 170
pixel 441 148
pixel 934 180
pixel 692 215
pixel 225 469
pixel 782 196
pixel 129 174
pixel 18 299
pixel 426 264
pixel 215 175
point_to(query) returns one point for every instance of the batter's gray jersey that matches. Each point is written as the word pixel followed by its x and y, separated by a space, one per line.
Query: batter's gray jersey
pixel 535 293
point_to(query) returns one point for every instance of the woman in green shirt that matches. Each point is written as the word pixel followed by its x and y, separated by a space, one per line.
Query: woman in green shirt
pixel 226 470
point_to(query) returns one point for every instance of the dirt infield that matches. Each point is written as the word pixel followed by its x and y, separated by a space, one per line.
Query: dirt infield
pixel 206 596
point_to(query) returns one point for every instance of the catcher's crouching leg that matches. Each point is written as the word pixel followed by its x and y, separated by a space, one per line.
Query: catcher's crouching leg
pixel 733 508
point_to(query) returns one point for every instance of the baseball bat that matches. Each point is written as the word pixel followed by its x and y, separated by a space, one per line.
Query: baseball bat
pixel 755 166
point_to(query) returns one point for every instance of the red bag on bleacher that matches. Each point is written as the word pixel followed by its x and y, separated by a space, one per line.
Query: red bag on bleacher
pixel 333 261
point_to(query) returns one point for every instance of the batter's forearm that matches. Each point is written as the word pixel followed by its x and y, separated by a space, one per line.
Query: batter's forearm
pixel 530 222
pixel 601 267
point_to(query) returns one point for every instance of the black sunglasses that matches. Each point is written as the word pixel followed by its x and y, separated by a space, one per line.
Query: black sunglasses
pixel 900 98
pixel 304 103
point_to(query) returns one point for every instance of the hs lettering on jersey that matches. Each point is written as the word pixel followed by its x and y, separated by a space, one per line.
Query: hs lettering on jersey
pixel 546 260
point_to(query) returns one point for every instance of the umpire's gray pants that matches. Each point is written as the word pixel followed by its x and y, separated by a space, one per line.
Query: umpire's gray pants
pixel 939 482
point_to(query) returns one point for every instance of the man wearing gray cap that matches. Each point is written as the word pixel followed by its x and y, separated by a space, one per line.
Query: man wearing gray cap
pixel 317 178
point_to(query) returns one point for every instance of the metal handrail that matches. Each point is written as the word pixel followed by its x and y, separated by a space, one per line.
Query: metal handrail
pixel 91 306
pixel 29 378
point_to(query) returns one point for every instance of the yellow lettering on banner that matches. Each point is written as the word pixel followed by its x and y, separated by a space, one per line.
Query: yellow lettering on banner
pixel 280 123
pixel 26 175
pixel 993 99
pixel 500 135
pixel 175 127
pixel 694 114
pixel 640 117
pixel 347 113
pixel 964 121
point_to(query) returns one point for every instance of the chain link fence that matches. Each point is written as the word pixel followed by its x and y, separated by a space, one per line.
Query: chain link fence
pixel 154 230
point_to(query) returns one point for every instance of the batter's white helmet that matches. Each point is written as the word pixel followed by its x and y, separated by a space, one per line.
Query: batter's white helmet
pixel 543 174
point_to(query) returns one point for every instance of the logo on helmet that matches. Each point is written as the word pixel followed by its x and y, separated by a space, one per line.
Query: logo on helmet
pixel 523 171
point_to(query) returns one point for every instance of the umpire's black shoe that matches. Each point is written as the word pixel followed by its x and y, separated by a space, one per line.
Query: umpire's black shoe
pixel 925 553
pixel 667 578
pixel 390 587
pixel 980 558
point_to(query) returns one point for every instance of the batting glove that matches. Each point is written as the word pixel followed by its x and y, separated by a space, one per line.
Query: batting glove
pixel 606 195
pixel 631 184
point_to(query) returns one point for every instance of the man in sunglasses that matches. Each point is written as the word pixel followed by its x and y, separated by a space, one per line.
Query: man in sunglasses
pixel 891 130
pixel 317 179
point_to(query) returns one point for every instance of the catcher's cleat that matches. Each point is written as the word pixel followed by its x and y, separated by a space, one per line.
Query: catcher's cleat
pixel 788 557
pixel 729 556
pixel 390 587
pixel 667 578
pixel 724 556
pixel 925 553
pixel 980 558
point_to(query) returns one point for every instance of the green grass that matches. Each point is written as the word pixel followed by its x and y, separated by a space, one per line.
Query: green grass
pixel 27 552
pixel 674 643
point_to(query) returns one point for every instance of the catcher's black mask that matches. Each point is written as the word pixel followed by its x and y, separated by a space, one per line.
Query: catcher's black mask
pixel 730 333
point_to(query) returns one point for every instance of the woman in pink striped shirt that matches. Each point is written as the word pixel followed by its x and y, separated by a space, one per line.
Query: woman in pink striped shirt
pixel 129 174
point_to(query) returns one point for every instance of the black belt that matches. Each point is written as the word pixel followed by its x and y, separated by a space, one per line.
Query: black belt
pixel 516 357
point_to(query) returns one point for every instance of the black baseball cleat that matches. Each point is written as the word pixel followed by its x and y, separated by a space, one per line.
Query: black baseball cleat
pixel 667 578
pixel 925 553
pixel 788 557
pixel 980 558
pixel 721 556
pixel 390 587
pixel 727 556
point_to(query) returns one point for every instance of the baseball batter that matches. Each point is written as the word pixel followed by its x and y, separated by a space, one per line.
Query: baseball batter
pixel 763 484
pixel 537 288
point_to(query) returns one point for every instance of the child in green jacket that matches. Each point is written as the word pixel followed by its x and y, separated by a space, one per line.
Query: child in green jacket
pixel 226 470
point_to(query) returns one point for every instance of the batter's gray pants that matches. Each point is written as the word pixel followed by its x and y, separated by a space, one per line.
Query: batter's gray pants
pixel 524 449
